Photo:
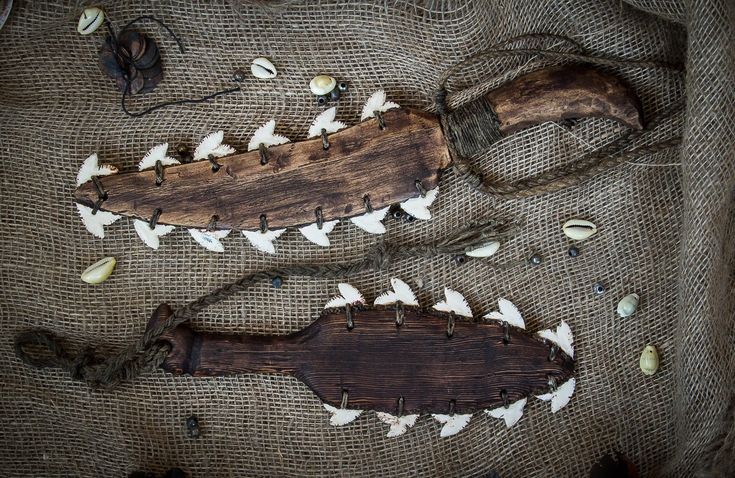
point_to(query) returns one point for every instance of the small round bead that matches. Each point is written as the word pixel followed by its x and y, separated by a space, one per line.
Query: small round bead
pixel 573 251
pixel 397 214
pixel 322 99
pixel 535 259
pixel 342 86
pixel 192 422
pixel 238 76
pixel 334 94
pixel 459 259
pixel 277 282
pixel 408 218
pixel 598 288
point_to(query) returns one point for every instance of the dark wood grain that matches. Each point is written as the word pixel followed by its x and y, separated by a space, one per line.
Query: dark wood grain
pixel 564 92
pixel 299 177
pixel 377 362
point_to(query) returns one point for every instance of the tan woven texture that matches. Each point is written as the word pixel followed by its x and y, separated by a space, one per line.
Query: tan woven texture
pixel 666 223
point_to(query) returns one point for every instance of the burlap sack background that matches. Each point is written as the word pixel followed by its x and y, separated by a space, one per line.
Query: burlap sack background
pixel 666 228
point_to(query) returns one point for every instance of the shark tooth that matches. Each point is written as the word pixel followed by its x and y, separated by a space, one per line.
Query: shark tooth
pixel 398 425
pixel 210 239
pixel 157 153
pixel 419 207
pixel 484 251
pixel 212 145
pixel 511 414
pixel 90 168
pixel 316 235
pixel 561 337
pixel 371 222
pixel 325 121
pixel 350 295
pixel 263 241
pixel 95 223
pixel 266 136
pixel 376 102
pixel 508 313
pixel 150 236
pixel 561 396
pixel 341 416
pixel 453 424
pixel 401 293
pixel 455 302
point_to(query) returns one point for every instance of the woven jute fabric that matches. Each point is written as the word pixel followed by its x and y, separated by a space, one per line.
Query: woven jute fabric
pixel 666 226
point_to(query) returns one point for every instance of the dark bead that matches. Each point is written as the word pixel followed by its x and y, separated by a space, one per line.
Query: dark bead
pixel 397 214
pixel 277 282
pixel 573 251
pixel 408 218
pixel 459 259
pixel 322 100
pixel 334 94
pixel 175 473
pixel 238 76
pixel 535 259
pixel 598 288
pixel 192 426
pixel 342 86
pixel 184 153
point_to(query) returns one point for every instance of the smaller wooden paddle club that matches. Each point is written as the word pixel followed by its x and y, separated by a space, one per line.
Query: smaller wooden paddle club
pixel 397 359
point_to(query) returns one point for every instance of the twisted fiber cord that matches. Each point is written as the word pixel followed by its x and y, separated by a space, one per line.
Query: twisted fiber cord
pixel 147 352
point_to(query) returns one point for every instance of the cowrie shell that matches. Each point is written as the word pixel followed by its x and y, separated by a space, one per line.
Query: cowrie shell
pixel 90 20
pixel 628 305
pixel 579 229
pixel 263 68
pixel 99 271
pixel 649 360
pixel 322 84
pixel 486 250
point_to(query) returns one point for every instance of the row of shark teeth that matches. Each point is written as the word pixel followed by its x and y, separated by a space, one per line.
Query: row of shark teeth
pixel 456 303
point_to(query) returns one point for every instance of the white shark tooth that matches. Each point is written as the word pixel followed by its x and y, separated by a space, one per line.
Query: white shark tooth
pixel 316 235
pixel 486 250
pixel 508 313
pixel 561 337
pixel 157 153
pixel 266 136
pixel 455 303
pixel 453 424
pixel 561 396
pixel 376 102
pixel 325 121
pixel 210 239
pixel 401 292
pixel 95 223
pixel 511 414
pixel 371 222
pixel 150 236
pixel 398 425
pixel 341 416
pixel 350 295
pixel 212 145
pixel 419 207
pixel 263 241
pixel 90 168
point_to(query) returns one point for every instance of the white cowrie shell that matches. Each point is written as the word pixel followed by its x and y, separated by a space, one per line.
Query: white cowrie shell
pixel 263 68
pixel 99 271
pixel 579 229
pixel 322 84
pixel 90 20
pixel 649 360
pixel 486 250
pixel 628 305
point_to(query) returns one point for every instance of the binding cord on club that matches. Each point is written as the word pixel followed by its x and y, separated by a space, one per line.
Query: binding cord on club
pixel 42 349
pixel 576 172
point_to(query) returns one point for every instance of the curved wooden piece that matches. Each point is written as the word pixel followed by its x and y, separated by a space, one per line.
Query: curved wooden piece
pixel 377 362
pixel 564 92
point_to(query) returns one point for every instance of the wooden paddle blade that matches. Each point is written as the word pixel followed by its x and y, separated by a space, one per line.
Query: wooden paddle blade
pixel 377 362
pixel 363 160
pixel 564 92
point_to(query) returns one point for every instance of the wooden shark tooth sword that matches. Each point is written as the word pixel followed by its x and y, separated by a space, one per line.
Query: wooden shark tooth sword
pixel 394 156
pixel 397 359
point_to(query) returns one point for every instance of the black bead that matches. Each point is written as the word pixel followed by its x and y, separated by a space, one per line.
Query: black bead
pixel 598 288
pixel 192 426
pixel 334 94
pixel 277 282
pixel 535 259
pixel 238 76
pixel 175 473
pixel 408 218
pixel 322 100
pixel 342 86
pixel 397 214
pixel 573 251
pixel 459 259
